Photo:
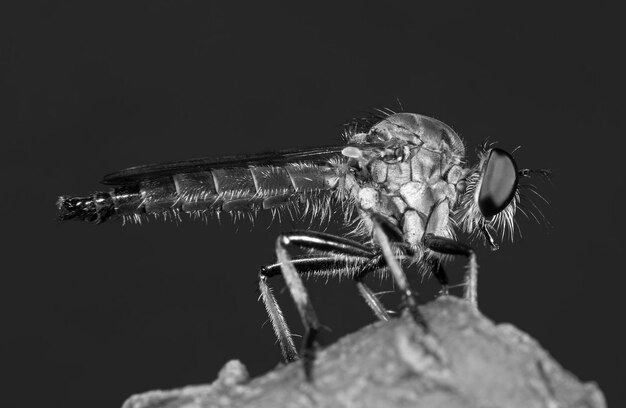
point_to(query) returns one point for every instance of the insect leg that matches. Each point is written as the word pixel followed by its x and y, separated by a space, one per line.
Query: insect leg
pixel 372 300
pixel 316 241
pixel 383 231
pixel 452 247
pixel 440 274
pixel 321 265
pixel 339 267
pixel 281 329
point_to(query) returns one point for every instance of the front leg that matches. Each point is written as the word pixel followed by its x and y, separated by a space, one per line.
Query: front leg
pixel 442 277
pixel 452 247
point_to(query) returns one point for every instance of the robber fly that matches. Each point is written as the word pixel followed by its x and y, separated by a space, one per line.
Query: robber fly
pixel 400 179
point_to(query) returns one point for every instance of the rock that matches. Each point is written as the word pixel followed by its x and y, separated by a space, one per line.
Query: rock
pixel 464 361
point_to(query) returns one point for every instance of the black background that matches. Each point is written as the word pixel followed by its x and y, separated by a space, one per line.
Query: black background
pixel 92 314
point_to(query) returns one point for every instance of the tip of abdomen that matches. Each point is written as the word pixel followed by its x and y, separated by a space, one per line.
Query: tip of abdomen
pixel 83 208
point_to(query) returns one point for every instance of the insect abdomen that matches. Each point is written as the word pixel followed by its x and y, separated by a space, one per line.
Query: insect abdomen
pixel 234 189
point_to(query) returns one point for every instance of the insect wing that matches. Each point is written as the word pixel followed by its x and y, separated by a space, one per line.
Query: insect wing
pixel 280 157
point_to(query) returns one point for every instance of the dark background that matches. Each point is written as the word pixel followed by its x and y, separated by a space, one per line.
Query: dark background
pixel 92 314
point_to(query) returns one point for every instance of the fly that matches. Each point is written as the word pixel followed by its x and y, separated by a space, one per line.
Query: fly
pixel 400 179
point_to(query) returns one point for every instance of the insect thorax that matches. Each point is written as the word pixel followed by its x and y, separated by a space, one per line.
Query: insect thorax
pixel 419 190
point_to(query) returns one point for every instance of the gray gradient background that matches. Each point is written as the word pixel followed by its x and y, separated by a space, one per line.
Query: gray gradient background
pixel 96 313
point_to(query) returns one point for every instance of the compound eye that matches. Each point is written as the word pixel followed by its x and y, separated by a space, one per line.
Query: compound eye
pixel 499 183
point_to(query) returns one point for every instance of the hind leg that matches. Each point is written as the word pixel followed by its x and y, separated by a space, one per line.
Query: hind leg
pixel 346 249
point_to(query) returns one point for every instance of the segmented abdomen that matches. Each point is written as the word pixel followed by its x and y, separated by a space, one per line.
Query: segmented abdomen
pixel 231 189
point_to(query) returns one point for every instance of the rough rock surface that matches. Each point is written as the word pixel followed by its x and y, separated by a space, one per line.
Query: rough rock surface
pixel 465 361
